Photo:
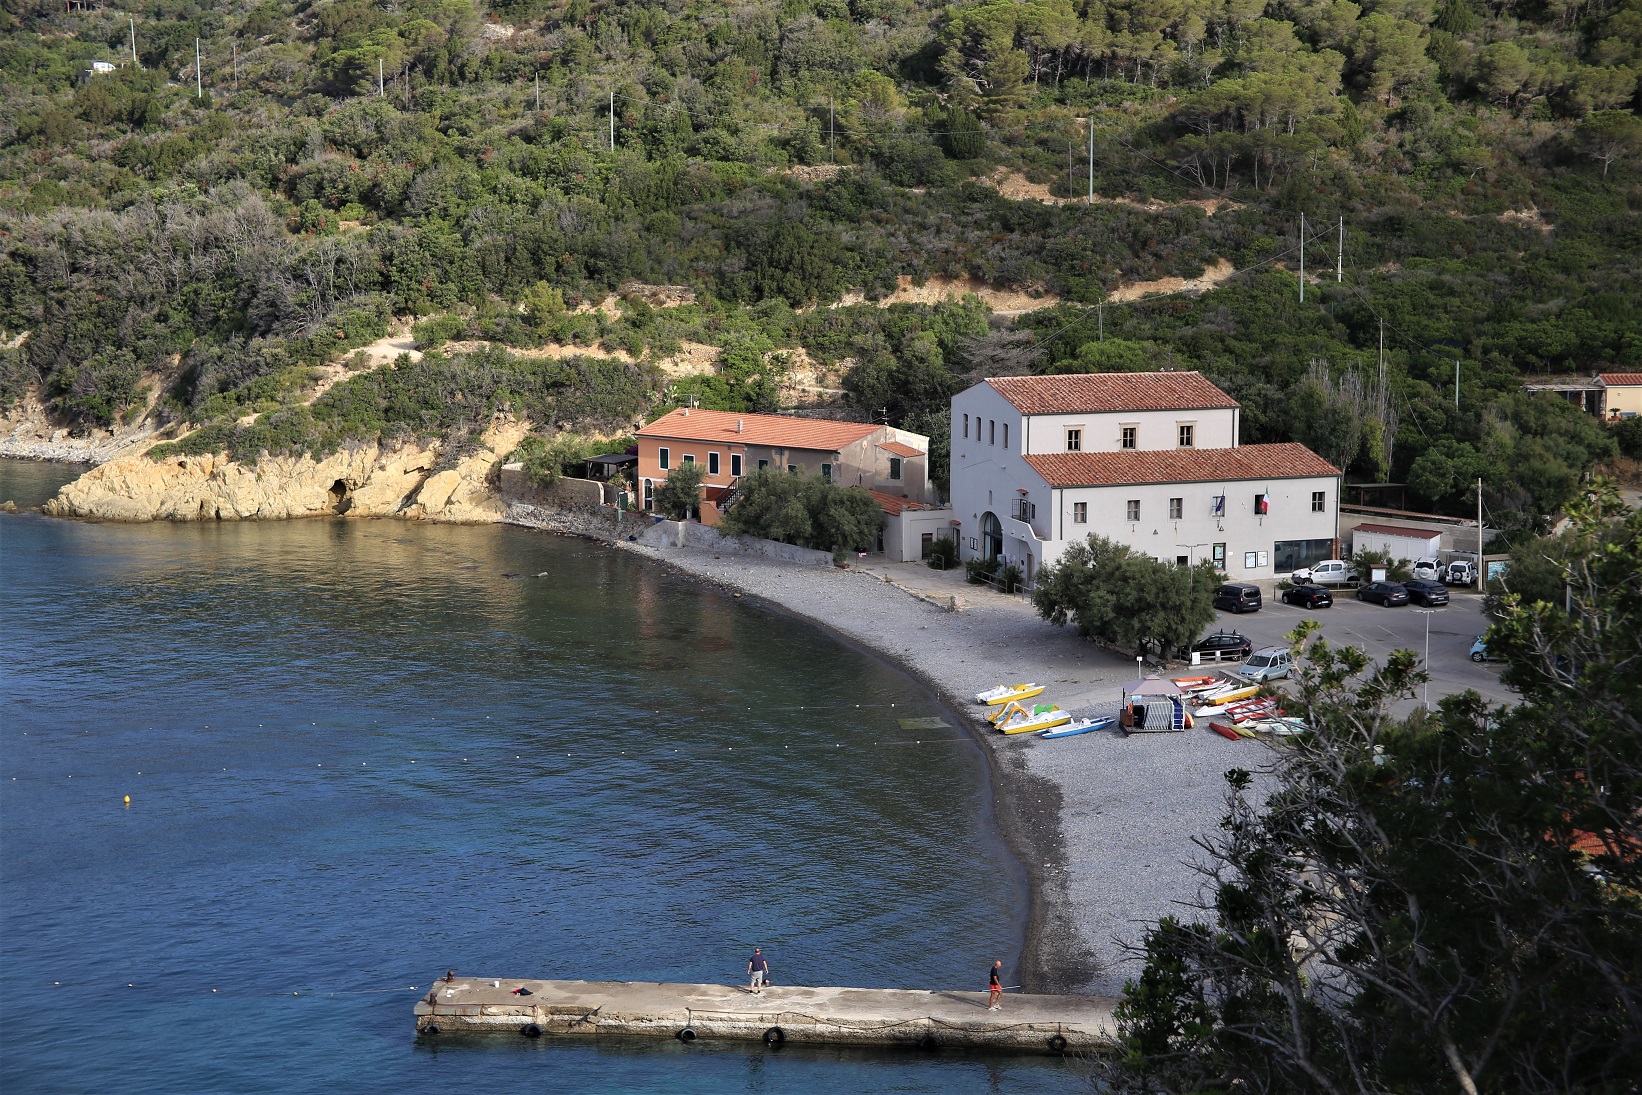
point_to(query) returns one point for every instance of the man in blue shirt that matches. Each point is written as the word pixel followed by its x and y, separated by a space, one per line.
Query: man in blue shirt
pixel 757 968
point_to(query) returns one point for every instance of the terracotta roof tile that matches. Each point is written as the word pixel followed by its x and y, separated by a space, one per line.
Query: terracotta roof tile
pixel 898 449
pixel 777 431
pixel 1102 469
pixel 1404 531
pixel 893 504
pixel 1073 393
pixel 1624 380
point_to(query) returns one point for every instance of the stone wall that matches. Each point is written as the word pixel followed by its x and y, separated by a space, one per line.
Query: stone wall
pixel 516 486
pixel 673 534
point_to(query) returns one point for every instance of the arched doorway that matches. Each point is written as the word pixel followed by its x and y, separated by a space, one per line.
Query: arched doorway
pixel 991 536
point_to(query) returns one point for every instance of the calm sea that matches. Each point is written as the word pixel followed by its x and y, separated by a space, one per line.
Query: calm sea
pixel 360 753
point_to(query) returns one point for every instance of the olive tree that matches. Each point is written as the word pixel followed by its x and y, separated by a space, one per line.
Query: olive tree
pixel 1113 593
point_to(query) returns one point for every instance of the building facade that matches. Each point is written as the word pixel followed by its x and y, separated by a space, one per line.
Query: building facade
pixel 1150 460
pixel 1621 394
pixel 730 445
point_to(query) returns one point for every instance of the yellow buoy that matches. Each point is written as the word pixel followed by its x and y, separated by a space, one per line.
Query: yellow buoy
pixel 128 800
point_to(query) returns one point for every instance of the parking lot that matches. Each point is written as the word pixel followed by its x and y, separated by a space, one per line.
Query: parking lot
pixel 1378 631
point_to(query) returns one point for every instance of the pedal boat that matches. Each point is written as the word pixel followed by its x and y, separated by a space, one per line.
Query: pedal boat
pixel 1004 693
pixel 1080 726
pixel 1018 718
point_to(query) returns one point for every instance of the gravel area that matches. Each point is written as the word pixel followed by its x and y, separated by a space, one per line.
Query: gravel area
pixel 1104 823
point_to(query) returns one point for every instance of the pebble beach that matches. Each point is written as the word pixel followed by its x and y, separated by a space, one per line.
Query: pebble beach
pixel 1105 823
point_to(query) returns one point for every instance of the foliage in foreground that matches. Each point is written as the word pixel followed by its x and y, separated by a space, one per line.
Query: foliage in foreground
pixel 1118 595
pixel 680 494
pixel 1445 902
pixel 806 510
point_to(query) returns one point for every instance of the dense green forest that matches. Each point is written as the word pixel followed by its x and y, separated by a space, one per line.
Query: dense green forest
pixel 497 171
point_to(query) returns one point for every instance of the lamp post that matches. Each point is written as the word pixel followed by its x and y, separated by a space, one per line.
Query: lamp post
pixel 1426 664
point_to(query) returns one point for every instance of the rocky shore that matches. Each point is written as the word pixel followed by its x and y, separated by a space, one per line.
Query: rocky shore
pixel 1105 824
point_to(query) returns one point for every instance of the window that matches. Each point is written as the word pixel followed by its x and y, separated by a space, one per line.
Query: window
pixel 712 463
pixel 1006 435
pixel 649 493
pixel 1318 504
pixel 826 472
pixel 689 458
pixel 1293 555
pixel 664 459
pixel 1182 561
pixel 895 467
pixel 735 464
pixel 1080 513
pixel 966 427
pixel 1187 433
pixel 991 431
pixel 1177 508
pixel 1074 440
pixel 1127 436
pixel 1132 507
pixel 762 464
pixel 793 468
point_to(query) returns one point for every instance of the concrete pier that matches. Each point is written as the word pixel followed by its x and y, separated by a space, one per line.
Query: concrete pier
pixel 833 1016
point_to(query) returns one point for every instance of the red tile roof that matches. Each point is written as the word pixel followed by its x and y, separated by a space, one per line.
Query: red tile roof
pixel 775 430
pixel 898 449
pixel 1076 393
pixel 1622 380
pixel 893 505
pixel 1103 469
pixel 1404 531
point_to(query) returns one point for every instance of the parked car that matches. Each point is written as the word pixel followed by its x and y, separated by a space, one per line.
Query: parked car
pixel 1329 572
pixel 1237 597
pixel 1386 594
pixel 1266 664
pixel 1479 650
pixel 1423 591
pixel 1427 569
pixel 1460 572
pixel 1222 644
pixel 1308 596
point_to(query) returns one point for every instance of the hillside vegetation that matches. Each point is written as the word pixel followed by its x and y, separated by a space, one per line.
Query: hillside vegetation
pixel 499 171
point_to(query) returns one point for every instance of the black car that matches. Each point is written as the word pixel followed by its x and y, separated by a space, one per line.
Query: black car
pixel 1308 596
pixel 1237 597
pixel 1425 591
pixel 1222 644
pixel 1383 593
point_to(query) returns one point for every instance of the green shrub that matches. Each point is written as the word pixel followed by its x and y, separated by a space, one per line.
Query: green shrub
pixel 805 510
pixel 943 553
pixel 979 570
pixel 680 495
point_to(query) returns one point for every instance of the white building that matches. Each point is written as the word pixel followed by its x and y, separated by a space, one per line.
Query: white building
pixel 1150 460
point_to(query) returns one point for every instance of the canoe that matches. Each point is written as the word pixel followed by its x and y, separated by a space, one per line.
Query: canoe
pixel 1006 692
pixel 1080 726
pixel 1225 731
pixel 1025 721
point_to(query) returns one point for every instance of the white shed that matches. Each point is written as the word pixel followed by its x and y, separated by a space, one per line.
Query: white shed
pixel 1397 541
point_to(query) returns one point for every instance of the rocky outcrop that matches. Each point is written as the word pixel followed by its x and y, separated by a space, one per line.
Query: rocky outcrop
pixel 413 481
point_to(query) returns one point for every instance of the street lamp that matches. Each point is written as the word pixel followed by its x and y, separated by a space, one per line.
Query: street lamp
pixel 1426 664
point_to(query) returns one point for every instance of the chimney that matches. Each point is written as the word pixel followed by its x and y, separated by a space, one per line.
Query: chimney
pixel 686 411
pixel 740 425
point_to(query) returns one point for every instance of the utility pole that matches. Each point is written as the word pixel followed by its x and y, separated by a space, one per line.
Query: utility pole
pixel 199 82
pixel 1340 257
pixel 1302 258
pixel 381 81
pixel 1480 585
pixel 1382 352
pixel 233 56
pixel 1091 124
pixel 538 93
pixel 612 121
pixel 829 130
pixel 134 60
pixel 1425 665
pixel 404 82
pixel 1456 384
pixel 1100 318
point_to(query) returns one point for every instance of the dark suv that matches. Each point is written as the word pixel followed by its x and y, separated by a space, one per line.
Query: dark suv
pixel 1426 591
pixel 1308 596
pixel 1386 594
pixel 1237 597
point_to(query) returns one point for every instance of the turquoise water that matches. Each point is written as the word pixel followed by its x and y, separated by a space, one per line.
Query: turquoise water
pixel 359 753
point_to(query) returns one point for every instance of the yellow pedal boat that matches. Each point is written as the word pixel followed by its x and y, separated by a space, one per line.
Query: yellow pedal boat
pixel 1004 693
pixel 1020 718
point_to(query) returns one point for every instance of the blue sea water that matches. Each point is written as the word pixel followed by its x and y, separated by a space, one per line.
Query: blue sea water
pixel 361 752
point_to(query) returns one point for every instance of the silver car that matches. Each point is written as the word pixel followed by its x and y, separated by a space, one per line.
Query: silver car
pixel 1267 664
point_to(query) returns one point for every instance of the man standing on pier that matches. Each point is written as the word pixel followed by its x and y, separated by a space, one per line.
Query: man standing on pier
pixel 757 967
pixel 995 989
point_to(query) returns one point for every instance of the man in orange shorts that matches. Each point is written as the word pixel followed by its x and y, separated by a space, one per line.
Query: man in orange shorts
pixel 995 989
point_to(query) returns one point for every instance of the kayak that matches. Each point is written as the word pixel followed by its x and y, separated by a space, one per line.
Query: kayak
pixel 1080 726
pixel 1006 692
pixel 1225 731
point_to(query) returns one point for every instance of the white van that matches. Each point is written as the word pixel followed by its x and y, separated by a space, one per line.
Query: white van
pixel 1329 572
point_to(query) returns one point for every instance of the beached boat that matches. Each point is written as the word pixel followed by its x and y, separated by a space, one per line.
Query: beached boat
pixel 1228 694
pixel 1006 692
pixel 1081 726
pixel 1279 728
pixel 1019 718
